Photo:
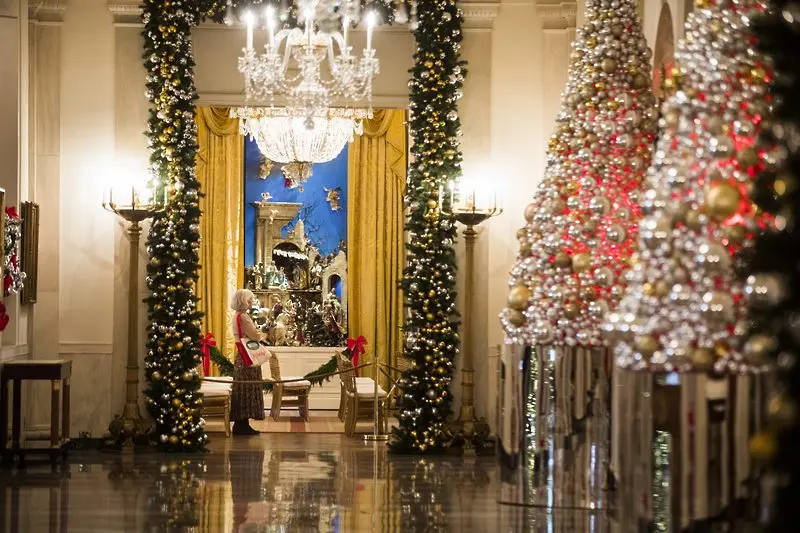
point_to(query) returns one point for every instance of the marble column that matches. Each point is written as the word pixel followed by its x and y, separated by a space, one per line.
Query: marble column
pixel 44 93
pixel 87 232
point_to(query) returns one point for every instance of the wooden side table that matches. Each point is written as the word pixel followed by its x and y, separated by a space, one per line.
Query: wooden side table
pixel 58 373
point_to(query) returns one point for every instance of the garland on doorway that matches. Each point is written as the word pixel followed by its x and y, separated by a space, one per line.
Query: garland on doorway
pixel 429 282
pixel 173 355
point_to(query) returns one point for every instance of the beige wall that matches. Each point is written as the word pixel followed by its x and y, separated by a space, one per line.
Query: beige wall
pixel 89 112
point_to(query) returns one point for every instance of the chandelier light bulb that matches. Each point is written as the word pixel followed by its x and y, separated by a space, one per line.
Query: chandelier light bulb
pixel 250 21
pixel 371 20
pixel 270 16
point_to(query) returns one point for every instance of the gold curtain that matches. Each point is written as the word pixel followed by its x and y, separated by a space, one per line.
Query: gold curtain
pixel 220 171
pixel 376 180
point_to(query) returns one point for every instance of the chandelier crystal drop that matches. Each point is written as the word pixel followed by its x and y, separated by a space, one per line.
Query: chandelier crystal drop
pixel 292 65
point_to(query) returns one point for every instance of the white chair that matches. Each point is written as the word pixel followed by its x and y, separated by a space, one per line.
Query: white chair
pixel 360 381
pixel 217 400
pixel 293 394
pixel 360 399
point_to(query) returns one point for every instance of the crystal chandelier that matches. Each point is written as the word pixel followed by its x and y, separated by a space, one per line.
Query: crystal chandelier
pixel 291 65
pixel 286 138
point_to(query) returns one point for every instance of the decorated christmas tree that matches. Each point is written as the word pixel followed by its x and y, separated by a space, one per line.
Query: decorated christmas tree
pixel 429 278
pixel 684 307
pixel 581 225
pixel 773 283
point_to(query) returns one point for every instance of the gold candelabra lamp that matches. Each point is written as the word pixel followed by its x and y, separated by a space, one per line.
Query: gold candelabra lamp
pixel 474 202
pixel 134 204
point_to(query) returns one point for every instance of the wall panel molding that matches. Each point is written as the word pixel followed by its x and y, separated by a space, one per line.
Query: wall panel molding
pixel 85 348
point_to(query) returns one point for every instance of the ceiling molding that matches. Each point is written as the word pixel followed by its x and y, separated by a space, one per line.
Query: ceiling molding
pixel 556 15
pixel 46 11
pixel 477 15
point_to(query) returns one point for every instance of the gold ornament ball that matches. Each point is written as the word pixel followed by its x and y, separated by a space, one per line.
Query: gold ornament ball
pixel 571 310
pixel 518 297
pixel 722 201
pixel 692 220
pixel 432 204
pixel 763 446
pixel 173 439
pixel 747 157
pixel 530 212
pixel 608 65
pixel 187 376
pixel 522 233
pixel 735 234
pixel 429 317
pixel 176 402
pixel 757 348
pixel 581 262
pixel 702 359
pixel 782 411
pixel 646 345
pixel 525 250
pixel 562 260
pixel 515 318
pixel 156 376
pixel 640 81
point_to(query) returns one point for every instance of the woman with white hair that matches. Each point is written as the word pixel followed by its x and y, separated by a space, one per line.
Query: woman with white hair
pixel 247 399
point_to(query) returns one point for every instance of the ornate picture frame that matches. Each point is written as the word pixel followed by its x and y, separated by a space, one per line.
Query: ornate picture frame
pixel 29 255
pixel 2 226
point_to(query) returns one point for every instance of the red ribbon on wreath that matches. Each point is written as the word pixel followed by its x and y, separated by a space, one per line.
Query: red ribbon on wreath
pixel 205 347
pixel 356 348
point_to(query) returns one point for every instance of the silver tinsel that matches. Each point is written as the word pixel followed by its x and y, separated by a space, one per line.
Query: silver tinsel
pixel 684 308
pixel 580 227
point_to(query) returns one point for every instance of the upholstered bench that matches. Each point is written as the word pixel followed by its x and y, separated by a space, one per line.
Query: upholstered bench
pixel 217 400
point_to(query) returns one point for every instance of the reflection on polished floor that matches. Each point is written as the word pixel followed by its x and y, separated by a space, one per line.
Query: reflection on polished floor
pixel 271 483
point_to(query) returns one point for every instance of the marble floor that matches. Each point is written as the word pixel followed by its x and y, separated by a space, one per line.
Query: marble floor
pixel 290 483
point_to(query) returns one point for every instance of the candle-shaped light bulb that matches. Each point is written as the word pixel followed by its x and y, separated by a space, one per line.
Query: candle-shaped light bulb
pixel 345 29
pixel 309 15
pixel 249 20
pixel 371 19
pixel 271 26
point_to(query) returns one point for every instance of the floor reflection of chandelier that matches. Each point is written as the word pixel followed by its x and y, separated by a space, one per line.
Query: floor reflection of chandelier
pixel 291 65
pixel 286 138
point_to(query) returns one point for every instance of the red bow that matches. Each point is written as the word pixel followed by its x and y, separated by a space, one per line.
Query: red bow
pixel 205 347
pixel 4 318
pixel 356 348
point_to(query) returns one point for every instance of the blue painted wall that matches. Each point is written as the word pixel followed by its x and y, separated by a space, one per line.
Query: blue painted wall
pixel 324 228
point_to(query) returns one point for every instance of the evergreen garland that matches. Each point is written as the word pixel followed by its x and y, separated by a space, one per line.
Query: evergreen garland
pixel 774 282
pixel 173 358
pixel 316 377
pixel 429 280
pixel 173 355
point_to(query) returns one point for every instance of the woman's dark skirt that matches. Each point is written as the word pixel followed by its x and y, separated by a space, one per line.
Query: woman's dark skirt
pixel 247 400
